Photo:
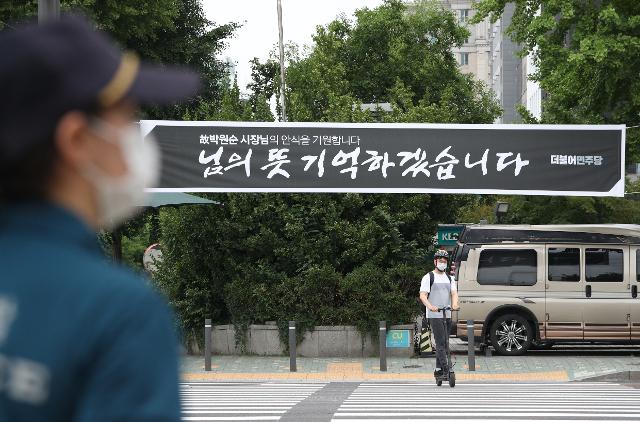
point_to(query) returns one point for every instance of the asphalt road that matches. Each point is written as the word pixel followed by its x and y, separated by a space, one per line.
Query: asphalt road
pixel 577 349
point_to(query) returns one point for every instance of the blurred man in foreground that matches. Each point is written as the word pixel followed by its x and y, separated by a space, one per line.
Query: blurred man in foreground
pixel 80 339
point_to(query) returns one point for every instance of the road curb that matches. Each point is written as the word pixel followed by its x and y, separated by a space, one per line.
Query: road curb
pixel 352 376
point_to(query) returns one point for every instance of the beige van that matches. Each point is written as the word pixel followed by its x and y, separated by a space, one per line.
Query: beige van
pixel 534 286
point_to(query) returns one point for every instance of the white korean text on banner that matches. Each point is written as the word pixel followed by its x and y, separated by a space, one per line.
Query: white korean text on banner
pixel 575 160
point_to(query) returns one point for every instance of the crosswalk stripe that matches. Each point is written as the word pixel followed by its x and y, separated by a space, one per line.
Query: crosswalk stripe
pixel 431 415
pixel 242 401
pixel 234 418
pixel 430 419
pixel 411 402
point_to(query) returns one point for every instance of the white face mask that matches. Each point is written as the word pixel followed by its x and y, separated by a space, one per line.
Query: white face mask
pixel 441 266
pixel 119 198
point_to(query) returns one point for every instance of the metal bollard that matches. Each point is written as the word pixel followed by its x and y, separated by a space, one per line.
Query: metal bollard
pixel 383 345
pixel 292 347
pixel 207 344
pixel 471 356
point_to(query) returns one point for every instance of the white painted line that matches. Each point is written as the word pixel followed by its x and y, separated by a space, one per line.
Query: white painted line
pixel 256 394
pixel 228 403
pixel 233 402
pixel 635 415
pixel 479 400
pixel 237 407
pixel 489 406
pixel 346 419
pixel 508 394
pixel 512 411
pixel 233 418
pixel 289 384
pixel 487 397
pixel 371 384
pixel 234 412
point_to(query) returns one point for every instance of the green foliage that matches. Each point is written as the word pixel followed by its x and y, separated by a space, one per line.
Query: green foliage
pixel 162 31
pixel 588 55
pixel 574 210
pixel 319 259
pixel 322 259
pixel 234 108
pixel 388 54
pixel 478 207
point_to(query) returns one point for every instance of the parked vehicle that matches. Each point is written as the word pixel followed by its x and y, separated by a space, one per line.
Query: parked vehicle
pixel 535 286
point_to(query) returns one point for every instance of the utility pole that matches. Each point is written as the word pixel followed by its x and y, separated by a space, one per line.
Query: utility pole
pixel 282 76
pixel 48 10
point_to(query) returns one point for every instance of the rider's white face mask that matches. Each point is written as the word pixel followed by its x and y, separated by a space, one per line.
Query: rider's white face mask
pixel 441 266
pixel 119 198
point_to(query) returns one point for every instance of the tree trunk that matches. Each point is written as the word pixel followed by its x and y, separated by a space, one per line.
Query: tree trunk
pixel 116 237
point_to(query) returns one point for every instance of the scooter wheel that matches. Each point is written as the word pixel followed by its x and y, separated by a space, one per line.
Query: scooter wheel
pixel 452 379
pixel 438 383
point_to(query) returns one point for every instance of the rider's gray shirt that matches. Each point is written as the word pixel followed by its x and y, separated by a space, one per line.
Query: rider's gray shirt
pixel 439 293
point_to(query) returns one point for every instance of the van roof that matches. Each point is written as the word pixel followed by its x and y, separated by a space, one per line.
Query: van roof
pixel 566 233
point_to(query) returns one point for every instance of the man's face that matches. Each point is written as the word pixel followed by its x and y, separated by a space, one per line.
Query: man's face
pixel 91 151
pixel 440 261
pixel 103 146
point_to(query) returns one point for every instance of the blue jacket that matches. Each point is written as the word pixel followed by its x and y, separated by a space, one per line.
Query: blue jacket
pixel 80 339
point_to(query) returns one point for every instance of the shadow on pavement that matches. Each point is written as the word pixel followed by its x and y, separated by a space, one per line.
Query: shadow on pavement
pixel 631 377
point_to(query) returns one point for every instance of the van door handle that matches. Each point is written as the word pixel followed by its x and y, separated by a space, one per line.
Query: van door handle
pixel 588 290
pixel 634 291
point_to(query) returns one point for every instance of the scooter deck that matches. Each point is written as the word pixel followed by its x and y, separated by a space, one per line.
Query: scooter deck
pixel 445 377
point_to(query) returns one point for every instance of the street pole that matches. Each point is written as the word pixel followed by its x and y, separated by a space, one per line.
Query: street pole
pixel 48 10
pixel 383 346
pixel 471 354
pixel 293 367
pixel 207 344
pixel 282 76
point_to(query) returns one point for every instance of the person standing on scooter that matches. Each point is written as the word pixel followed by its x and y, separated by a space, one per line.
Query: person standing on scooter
pixel 438 290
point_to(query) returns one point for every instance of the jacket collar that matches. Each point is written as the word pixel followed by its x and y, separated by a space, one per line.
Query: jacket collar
pixel 47 220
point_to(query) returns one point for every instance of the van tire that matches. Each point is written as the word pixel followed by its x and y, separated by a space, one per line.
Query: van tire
pixel 511 335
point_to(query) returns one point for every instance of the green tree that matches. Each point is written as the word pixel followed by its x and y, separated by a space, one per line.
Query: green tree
pixel 387 54
pixel 323 258
pixel 320 259
pixel 163 31
pixel 574 210
pixel 588 56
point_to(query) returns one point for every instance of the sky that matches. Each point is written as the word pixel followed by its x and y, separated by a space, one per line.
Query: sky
pixel 258 35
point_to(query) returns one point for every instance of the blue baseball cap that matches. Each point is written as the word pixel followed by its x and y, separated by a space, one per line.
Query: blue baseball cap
pixel 48 70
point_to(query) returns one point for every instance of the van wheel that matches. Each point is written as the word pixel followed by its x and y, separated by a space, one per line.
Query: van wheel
pixel 511 335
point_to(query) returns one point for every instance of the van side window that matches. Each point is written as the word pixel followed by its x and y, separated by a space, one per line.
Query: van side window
pixel 564 264
pixel 604 264
pixel 508 267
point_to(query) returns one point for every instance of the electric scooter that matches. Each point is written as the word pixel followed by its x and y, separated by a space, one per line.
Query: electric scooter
pixel 449 376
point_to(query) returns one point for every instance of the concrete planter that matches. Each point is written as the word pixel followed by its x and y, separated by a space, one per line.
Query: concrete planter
pixel 324 341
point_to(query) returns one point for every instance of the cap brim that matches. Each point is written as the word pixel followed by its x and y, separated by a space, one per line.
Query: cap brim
pixel 163 85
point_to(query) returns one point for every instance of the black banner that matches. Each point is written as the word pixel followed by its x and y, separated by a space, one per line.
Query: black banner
pixel 343 157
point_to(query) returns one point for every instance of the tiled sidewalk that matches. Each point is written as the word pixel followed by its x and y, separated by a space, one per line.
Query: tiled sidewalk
pixel 537 368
